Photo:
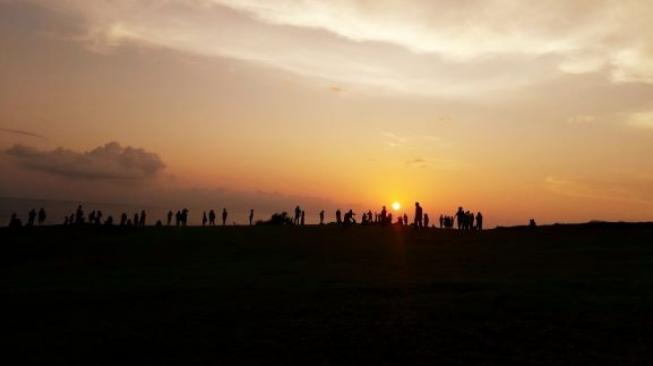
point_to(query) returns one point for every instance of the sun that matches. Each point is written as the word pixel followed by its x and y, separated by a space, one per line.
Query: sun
pixel 396 205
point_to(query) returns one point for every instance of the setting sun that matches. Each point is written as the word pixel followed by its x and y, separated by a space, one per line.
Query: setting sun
pixel 396 206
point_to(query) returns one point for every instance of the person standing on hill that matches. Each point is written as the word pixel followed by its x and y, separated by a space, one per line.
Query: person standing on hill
pixel 224 216
pixel 141 222
pixel 251 217
pixel 426 221
pixel 460 218
pixel 42 216
pixel 479 221
pixel 418 216
pixel 298 213
pixel 204 218
pixel 303 218
pixel 322 217
pixel 338 217
pixel 211 218
pixel 169 217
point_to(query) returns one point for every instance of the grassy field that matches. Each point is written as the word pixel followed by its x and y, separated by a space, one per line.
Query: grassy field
pixel 328 295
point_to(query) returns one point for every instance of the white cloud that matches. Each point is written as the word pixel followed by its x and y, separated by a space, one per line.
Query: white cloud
pixel 457 48
pixel 641 120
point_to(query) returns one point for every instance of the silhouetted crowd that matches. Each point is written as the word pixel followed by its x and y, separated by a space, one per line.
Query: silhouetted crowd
pixel 464 220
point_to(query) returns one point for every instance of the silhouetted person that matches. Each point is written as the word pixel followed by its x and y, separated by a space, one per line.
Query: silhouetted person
pixel 349 217
pixel 31 217
pixel 15 222
pixel 204 218
pixel 65 221
pixel 212 218
pixel 338 217
pixel 135 220
pixel 322 217
pixel 479 221
pixel 91 217
pixel 419 216
pixel 71 219
pixel 158 223
pixel 79 215
pixel 251 217
pixel 42 216
pixel 441 221
pixel 384 215
pixel 302 220
pixel 532 223
pixel 123 219
pixel 98 218
pixel 170 217
pixel 109 221
pixel 460 218
pixel 405 219
pixel 298 213
pixel 178 218
pixel 224 216
pixel 141 222
pixel 426 221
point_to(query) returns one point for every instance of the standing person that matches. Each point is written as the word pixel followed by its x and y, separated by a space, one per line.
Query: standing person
pixel 169 217
pixel 322 217
pixel 141 222
pixel 426 221
pixel 212 218
pixel 441 221
pixel 298 213
pixel 384 214
pixel 338 217
pixel 251 217
pixel 79 215
pixel 460 218
pixel 224 216
pixel 405 219
pixel 42 216
pixel 178 218
pixel 303 218
pixel 204 218
pixel 123 219
pixel 31 217
pixel 479 221
pixel 418 216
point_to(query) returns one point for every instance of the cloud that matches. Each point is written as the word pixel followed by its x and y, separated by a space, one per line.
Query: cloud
pixel 437 164
pixel 641 120
pixel 110 161
pixel 22 132
pixel 461 48
pixel 581 120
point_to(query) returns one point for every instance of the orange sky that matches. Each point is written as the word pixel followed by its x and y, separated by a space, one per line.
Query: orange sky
pixel 513 108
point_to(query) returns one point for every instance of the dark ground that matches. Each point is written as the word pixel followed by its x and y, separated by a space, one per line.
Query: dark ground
pixel 326 295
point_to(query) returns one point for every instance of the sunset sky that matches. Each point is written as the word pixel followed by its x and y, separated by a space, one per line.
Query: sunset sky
pixel 516 108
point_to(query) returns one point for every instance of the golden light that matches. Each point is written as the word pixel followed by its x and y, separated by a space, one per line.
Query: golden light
pixel 396 205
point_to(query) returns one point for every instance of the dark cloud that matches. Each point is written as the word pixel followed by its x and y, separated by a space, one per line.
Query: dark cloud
pixel 110 161
pixel 22 132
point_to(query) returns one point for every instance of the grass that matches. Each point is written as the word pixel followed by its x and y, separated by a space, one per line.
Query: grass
pixel 574 294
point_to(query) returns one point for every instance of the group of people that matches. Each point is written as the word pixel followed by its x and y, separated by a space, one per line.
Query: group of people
pixel 465 220
pixel 210 218
pixel 32 218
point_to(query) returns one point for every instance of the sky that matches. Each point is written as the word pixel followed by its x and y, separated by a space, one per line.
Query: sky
pixel 517 109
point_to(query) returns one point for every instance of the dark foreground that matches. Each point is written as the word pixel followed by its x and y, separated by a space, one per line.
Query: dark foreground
pixel 324 295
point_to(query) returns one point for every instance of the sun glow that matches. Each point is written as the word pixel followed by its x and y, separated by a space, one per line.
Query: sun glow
pixel 396 206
